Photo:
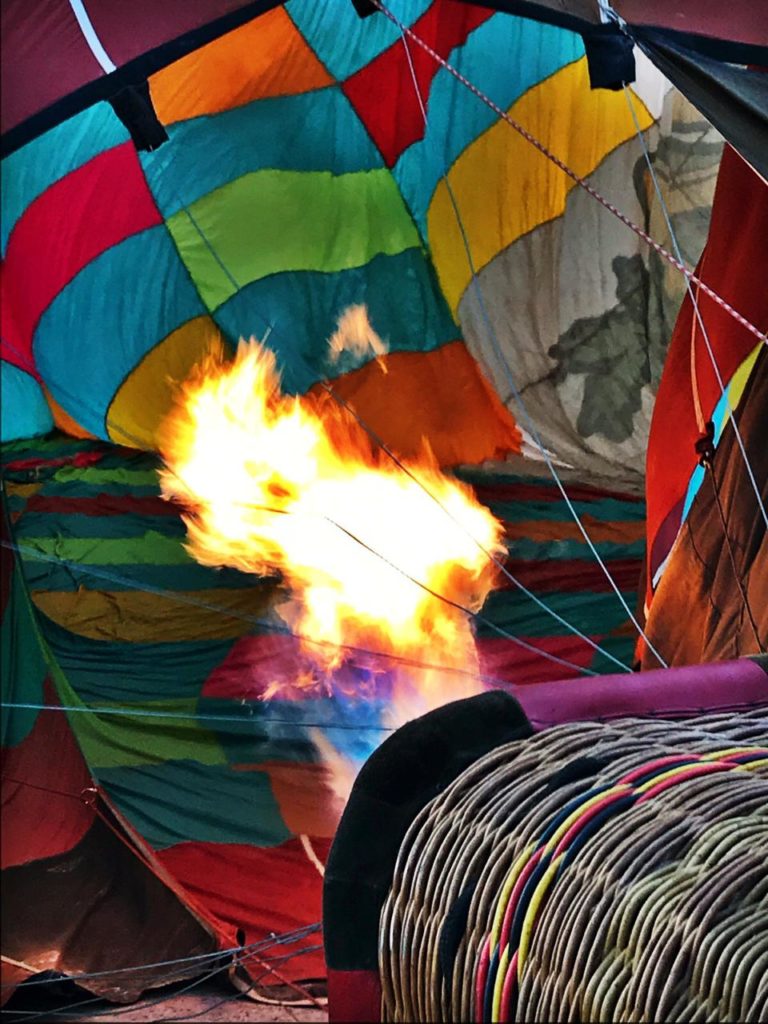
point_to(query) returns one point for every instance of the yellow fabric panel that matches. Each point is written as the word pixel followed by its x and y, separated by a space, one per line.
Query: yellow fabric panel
pixel 504 187
pixel 266 57
pixel 440 395
pixel 135 616
pixel 145 396
pixel 63 420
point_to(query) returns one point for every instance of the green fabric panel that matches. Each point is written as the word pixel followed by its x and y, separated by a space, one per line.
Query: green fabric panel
pixel 130 734
pixel 22 665
pixel 52 447
pixel 183 801
pixel 44 575
pixel 271 221
pixel 75 524
pixel 262 731
pixel 97 476
pixel 620 647
pixel 152 548
pixel 591 613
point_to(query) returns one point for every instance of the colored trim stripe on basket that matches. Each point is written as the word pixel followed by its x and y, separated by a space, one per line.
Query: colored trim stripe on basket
pixel 503 955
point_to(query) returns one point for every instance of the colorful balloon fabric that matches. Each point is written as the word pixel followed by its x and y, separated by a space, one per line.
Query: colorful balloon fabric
pixel 300 178
pixel 314 160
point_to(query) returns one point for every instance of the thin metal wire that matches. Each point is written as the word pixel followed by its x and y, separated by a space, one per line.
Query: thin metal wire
pixel 296 935
pixel 264 624
pixel 180 716
pixel 504 633
pixel 387 450
pixel 581 182
pixel 66 1013
pixel 696 307
pixel 510 378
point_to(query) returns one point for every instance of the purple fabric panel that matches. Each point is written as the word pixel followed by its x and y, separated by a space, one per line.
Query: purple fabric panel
pixel 44 57
pixel 673 692
pixel 127 31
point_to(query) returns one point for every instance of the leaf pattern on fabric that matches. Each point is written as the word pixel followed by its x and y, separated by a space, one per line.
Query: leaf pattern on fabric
pixel 611 351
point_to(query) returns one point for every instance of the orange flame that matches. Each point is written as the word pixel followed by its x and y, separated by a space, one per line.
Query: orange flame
pixel 292 485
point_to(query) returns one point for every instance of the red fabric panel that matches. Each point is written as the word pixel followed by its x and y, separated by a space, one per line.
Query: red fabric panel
pixel 575 575
pixel 398 123
pixel 259 890
pixel 526 491
pixel 44 57
pixel 508 661
pixel 102 505
pixel 733 265
pixel 254 666
pixel 354 996
pixel 70 224
pixel 39 823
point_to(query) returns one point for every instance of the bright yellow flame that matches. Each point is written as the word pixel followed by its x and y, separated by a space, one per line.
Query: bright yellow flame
pixel 280 484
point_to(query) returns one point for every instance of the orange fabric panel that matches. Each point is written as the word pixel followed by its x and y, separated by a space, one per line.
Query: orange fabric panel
pixel 63 420
pixel 304 794
pixel 266 57
pixel 441 396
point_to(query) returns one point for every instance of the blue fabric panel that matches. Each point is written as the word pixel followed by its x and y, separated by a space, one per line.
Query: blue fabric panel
pixel 132 295
pixel 24 411
pixel 504 58
pixel 315 131
pixel 405 308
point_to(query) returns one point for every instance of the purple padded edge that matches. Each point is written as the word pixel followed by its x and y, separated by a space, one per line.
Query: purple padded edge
pixel 669 692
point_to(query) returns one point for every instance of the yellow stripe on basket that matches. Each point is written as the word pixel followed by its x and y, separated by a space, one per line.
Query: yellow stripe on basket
pixel 532 911
pixel 514 873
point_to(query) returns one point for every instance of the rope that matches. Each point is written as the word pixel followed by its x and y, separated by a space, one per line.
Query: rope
pixel 285 937
pixel 698 318
pixel 179 716
pixel 581 182
pixel 388 451
pixel 510 378
pixel 65 1013
pixel 507 635
pixel 265 624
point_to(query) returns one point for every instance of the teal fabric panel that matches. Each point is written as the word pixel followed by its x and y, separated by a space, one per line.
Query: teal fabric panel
pixel 343 40
pixel 405 308
pixel 314 131
pixel 183 801
pixel 136 293
pixel 29 171
pixel 24 411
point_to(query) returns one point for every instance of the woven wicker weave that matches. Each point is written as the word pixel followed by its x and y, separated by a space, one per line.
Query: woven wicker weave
pixel 660 912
